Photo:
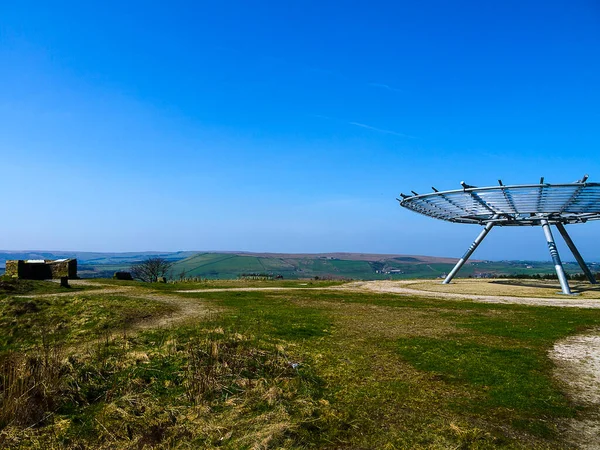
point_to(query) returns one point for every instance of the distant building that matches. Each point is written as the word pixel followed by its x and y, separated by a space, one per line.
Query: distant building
pixel 483 275
pixel 41 269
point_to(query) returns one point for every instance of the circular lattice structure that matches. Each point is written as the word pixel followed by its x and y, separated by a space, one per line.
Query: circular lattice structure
pixel 540 204
pixel 525 204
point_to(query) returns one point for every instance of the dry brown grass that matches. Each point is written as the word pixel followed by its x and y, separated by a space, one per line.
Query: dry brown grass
pixel 299 368
pixel 362 320
pixel 30 386
pixel 225 391
pixel 506 287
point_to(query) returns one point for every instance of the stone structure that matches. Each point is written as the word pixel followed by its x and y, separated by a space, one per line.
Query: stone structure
pixel 40 269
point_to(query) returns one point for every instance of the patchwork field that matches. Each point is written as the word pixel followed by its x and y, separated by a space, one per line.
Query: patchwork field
pixel 300 364
pixel 357 266
pixel 349 266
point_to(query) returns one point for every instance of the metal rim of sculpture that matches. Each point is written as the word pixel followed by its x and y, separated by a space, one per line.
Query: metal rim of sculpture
pixel 514 205
pixel 540 204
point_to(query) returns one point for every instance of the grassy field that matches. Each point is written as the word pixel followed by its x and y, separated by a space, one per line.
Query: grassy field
pixel 209 284
pixel 10 286
pixel 293 368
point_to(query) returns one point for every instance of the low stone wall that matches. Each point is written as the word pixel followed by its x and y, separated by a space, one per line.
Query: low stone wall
pixel 12 268
pixel 61 269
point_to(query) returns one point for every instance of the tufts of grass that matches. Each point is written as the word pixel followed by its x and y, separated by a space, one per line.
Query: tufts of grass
pixel 211 388
pixel 306 369
pixel 30 386
pixel 15 286
pixel 27 322
pixel 220 367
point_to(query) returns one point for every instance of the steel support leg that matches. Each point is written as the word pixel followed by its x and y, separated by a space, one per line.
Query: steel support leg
pixel 469 252
pixel 576 254
pixel 562 278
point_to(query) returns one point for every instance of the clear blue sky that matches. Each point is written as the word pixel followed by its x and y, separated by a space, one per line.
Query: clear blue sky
pixel 288 126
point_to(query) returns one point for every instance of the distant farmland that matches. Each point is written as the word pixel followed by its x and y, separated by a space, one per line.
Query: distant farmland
pixel 348 265
pixel 231 265
pixel 228 266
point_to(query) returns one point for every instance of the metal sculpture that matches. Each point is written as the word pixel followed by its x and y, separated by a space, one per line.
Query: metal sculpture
pixel 540 204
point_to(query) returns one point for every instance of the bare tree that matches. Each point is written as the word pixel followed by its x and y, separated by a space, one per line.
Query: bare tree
pixel 150 269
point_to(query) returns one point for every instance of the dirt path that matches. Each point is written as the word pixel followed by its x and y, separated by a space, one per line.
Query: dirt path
pixel 184 308
pixel 577 367
pixel 397 287
pixel 250 289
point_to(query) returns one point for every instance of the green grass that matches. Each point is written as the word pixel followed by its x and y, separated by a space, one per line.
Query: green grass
pixel 509 379
pixel 218 284
pixel 237 284
pixel 30 322
pixel 14 286
pixel 302 368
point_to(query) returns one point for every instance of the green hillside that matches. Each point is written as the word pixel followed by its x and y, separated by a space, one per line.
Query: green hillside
pixel 228 266
pixel 355 266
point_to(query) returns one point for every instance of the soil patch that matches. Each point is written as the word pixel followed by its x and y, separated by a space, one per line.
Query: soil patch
pixel 577 360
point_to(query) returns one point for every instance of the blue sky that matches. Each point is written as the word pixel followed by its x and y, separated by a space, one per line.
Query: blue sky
pixel 288 126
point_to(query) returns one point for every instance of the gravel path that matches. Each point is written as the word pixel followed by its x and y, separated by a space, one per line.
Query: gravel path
pixel 577 366
pixel 250 289
pixel 397 287
pixel 185 308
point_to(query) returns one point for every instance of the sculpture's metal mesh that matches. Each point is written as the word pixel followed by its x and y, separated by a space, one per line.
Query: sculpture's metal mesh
pixel 525 204
pixel 511 205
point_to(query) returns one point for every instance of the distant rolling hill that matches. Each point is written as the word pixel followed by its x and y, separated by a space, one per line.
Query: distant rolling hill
pixel 231 265
pixel 92 264
pixel 323 265
pixel 326 265
pixel 366 266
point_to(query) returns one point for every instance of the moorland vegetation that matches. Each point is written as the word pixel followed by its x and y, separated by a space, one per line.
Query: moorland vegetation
pixel 310 365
